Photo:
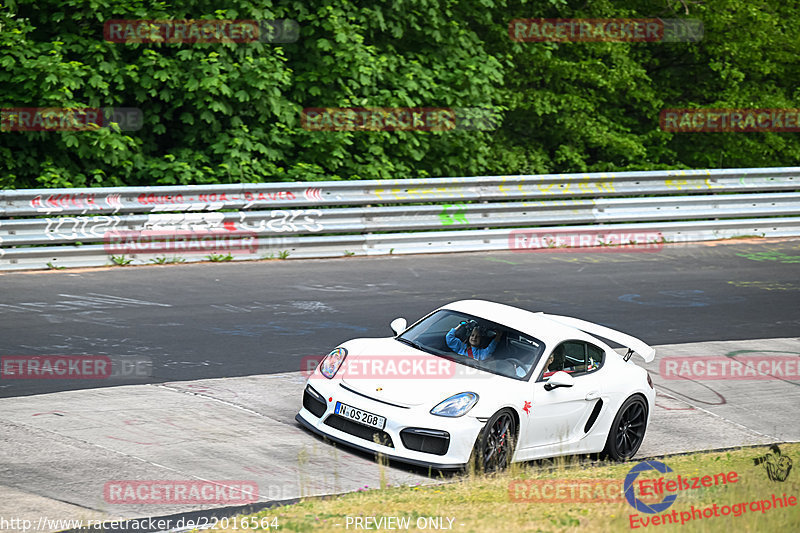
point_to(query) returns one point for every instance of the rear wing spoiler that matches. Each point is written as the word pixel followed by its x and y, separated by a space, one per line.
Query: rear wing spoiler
pixel 631 343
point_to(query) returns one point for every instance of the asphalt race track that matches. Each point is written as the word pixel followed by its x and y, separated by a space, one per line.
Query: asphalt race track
pixel 209 355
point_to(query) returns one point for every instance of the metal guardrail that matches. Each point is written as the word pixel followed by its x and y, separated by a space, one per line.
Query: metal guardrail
pixel 93 227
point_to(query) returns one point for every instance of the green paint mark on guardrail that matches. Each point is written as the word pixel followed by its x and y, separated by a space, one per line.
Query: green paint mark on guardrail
pixel 457 215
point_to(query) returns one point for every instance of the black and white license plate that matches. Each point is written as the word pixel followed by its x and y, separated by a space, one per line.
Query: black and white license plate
pixel 362 417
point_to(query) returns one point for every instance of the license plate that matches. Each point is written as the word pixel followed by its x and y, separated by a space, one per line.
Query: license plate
pixel 362 417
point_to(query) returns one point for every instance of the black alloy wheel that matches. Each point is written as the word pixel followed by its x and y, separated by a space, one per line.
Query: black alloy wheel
pixel 495 446
pixel 627 431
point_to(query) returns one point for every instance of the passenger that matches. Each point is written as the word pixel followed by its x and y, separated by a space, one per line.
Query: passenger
pixel 471 347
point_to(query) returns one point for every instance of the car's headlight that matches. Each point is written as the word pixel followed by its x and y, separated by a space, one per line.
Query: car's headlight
pixel 330 365
pixel 456 405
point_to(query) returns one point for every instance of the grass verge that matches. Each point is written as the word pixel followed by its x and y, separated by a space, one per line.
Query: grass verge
pixel 590 499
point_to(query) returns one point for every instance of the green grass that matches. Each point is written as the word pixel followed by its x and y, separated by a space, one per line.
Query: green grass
pixel 166 261
pixel 487 503
pixel 120 260
pixel 216 258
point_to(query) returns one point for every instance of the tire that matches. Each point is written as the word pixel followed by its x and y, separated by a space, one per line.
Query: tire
pixel 494 447
pixel 627 431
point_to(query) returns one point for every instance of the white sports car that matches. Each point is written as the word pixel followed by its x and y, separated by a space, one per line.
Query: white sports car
pixel 482 382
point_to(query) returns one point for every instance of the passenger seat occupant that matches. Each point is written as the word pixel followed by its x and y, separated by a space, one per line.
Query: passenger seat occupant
pixel 471 348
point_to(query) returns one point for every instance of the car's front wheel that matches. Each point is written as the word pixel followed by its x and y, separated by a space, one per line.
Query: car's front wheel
pixel 495 445
pixel 627 430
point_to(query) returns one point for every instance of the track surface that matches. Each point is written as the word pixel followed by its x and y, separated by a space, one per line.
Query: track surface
pixel 202 321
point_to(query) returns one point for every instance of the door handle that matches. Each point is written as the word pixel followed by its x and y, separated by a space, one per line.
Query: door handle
pixel 592 395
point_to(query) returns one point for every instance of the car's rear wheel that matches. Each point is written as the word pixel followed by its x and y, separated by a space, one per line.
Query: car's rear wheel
pixel 495 445
pixel 627 430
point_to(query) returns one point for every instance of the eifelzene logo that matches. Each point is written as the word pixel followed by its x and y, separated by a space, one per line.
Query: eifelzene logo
pixel 777 465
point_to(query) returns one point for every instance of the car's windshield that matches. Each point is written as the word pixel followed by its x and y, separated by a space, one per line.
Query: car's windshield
pixel 476 342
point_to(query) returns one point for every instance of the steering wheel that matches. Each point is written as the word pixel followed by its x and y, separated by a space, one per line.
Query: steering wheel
pixel 509 366
pixel 515 362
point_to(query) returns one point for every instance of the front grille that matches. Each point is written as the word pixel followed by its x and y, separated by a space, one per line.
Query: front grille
pixel 359 430
pixel 313 402
pixel 426 440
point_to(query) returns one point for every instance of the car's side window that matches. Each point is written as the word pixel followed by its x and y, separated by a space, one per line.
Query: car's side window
pixel 595 357
pixel 576 358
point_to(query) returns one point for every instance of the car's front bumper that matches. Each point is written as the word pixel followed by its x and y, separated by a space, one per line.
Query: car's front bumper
pixel 403 425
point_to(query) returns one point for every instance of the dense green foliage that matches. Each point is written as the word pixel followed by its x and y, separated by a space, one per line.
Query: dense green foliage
pixel 228 112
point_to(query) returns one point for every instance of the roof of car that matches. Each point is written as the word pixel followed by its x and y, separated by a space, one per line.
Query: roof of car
pixel 534 324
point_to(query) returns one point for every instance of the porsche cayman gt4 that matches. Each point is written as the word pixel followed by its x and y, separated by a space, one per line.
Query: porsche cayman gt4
pixel 478 382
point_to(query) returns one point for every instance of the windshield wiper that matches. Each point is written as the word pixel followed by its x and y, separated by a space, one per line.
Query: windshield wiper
pixel 411 343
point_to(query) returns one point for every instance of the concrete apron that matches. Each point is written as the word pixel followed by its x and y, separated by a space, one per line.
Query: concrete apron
pixel 61 450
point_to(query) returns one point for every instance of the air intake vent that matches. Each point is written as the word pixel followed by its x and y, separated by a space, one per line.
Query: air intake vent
pixel 593 417
pixel 426 440
pixel 313 402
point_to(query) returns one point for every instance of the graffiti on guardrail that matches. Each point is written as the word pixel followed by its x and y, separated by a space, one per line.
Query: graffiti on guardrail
pixel 586 187
pixel 61 201
pixel 407 194
pixel 278 221
pixel 681 184
pixel 55 203
pixel 214 198
pixel 456 214
pixel 282 221
pixel 76 227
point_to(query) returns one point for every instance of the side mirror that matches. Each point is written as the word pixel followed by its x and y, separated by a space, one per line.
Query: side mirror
pixel 398 325
pixel 559 379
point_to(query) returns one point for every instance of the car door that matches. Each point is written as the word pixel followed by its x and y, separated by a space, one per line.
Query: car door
pixel 559 415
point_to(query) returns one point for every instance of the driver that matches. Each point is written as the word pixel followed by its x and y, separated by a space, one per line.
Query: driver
pixel 471 347
pixel 554 363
